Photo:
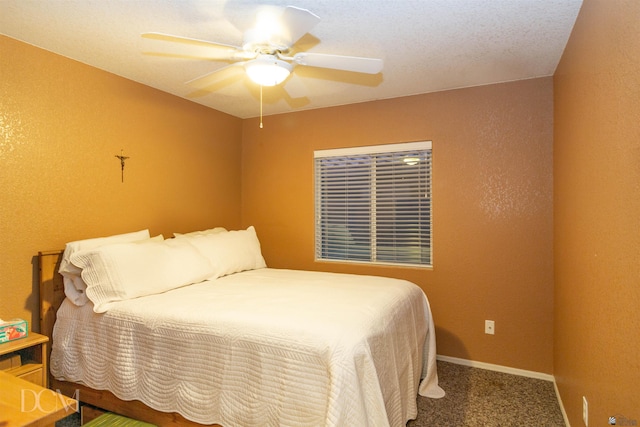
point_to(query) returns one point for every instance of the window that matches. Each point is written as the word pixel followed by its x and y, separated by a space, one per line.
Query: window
pixel 373 204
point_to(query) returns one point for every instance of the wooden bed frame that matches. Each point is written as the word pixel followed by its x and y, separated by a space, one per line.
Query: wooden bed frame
pixel 51 297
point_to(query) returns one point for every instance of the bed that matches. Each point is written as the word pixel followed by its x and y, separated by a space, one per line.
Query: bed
pixel 255 347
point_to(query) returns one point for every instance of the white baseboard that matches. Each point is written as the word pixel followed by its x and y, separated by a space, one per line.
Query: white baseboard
pixel 497 368
pixel 564 413
pixel 509 370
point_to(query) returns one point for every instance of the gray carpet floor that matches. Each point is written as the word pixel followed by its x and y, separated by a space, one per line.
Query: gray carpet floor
pixel 482 398
pixel 476 398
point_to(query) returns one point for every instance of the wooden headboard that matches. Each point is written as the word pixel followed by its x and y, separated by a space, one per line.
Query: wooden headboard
pixel 51 290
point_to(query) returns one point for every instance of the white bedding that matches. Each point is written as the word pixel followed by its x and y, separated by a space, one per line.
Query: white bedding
pixel 265 347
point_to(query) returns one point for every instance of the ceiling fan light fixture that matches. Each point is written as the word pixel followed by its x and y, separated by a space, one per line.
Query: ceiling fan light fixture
pixel 268 70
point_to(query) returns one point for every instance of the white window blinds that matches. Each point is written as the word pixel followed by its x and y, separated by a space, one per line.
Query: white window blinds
pixel 373 204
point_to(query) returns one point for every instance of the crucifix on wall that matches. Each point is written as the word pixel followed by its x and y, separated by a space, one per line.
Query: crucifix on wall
pixel 122 158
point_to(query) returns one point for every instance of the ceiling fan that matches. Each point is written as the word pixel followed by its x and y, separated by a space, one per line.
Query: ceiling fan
pixel 265 55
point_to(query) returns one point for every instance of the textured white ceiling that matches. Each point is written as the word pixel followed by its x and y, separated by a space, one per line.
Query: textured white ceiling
pixel 426 45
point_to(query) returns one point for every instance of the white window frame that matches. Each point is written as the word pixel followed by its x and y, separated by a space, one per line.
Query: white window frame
pixel 327 247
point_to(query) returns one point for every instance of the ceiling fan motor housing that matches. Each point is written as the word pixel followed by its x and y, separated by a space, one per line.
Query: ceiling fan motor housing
pixel 257 41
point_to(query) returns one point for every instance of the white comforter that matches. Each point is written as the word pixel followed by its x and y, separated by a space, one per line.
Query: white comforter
pixel 265 347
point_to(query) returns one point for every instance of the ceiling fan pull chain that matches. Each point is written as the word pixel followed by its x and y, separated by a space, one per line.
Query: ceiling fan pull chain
pixel 260 106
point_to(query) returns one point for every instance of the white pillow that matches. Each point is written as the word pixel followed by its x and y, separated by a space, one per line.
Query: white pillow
pixel 76 291
pixel 230 252
pixel 74 287
pixel 215 230
pixel 122 271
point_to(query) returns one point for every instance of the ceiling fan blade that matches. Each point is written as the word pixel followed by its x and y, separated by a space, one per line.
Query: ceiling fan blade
pixel 193 52
pixel 194 48
pixel 296 22
pixel 217 76
pixel 295 88
pixel 338 62
pixel 187 40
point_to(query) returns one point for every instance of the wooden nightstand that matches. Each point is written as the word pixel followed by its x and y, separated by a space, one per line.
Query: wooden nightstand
pixel 23 403
pixel 33 355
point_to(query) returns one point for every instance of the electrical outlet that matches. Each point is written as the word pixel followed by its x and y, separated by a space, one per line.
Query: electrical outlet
pixel 585 411
pixel 489 327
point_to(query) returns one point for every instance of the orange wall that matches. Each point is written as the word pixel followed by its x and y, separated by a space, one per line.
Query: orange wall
pixel 61 125
pixel 597 214
pixel 492 190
